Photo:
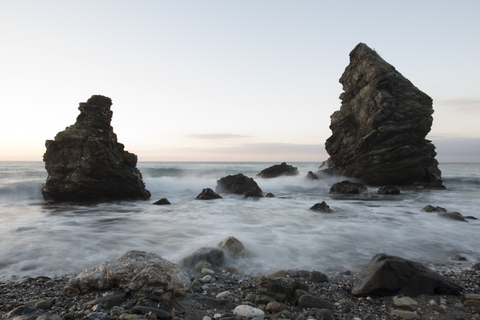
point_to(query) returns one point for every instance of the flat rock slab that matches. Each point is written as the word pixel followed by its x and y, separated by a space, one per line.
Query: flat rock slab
pixel 388 275
pixel 194 306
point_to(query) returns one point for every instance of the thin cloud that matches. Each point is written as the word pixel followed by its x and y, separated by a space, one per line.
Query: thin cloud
pixel 470 105
pixel 215 136
pixel 272 148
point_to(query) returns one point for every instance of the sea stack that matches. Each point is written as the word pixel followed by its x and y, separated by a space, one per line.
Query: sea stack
pixel 86 163
pixel 378 135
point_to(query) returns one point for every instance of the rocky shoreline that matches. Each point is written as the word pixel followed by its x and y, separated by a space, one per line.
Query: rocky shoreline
pixel 217 294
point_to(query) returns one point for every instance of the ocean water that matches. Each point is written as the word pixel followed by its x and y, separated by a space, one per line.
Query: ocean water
pixel 279 233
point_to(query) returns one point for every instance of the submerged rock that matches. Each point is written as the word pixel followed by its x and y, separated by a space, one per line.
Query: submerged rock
pixel 239 184
pixel 208 194
pixel 278 170
pixel 311 176
pixel 388 275
pixel 321 207
pixel 389 190
pixel 163 201
pixel 347 187
pixel 378 135
pixel 453 216
pixel 431 208
pixel 86 163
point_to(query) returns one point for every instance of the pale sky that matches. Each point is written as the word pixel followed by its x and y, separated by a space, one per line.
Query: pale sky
pixel 221 80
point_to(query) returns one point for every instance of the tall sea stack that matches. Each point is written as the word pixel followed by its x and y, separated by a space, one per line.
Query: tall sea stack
pixel 378 135
pixel 86 163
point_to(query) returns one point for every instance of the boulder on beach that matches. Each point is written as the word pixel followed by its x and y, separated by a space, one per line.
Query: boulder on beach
pixel 234 247
pixel 85 162
pixel 278 170
pixel 277 288
pixel 208 194
pixel 239 184
pixel 215 257
pixel 347 187
pixel 388 275
pixel 146 274
pixel 378 135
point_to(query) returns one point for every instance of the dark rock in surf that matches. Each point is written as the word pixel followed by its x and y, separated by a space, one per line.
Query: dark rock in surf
pixel 278 170
pixel 389 190
pixel 215 257
pixel 86 163
pixel 163 201
pixel 208 194
pixel 239 184
pixel 270 195
pixel 378 135
pixel 388 275
pixel 321 207
pixel 470 217
pixel 347 187
pixel 311 176
pixel 431 208
pixel 453 216
pixel 437 184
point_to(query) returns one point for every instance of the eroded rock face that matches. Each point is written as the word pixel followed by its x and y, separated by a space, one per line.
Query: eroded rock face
pixel 378 135
pixel 388 275
pixel 145 273
pixel 86 163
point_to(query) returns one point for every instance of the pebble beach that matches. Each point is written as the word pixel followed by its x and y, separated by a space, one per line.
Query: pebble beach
pixel 217 294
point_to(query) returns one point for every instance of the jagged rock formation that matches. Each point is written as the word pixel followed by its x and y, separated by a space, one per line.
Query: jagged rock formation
pixel 378 135
pixel 86 163
pixel 278 170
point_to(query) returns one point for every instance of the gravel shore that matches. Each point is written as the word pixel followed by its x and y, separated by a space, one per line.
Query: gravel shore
pixel 215 295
